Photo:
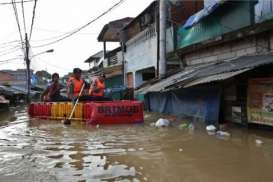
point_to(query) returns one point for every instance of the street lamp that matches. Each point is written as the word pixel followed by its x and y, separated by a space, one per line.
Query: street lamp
pixel 28 70
pixel 47 51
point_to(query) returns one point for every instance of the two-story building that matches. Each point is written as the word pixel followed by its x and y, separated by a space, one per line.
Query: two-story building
pixel 141 41
pixel 225 51
pixel 110 62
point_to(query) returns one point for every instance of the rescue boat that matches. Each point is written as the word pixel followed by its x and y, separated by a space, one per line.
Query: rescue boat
pixel 107 112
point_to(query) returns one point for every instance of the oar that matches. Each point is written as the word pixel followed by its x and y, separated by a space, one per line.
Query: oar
pixel 68 121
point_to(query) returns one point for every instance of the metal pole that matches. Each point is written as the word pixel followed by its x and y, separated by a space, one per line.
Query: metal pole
pixel 162 37
pixel 123 64
pixel 28 68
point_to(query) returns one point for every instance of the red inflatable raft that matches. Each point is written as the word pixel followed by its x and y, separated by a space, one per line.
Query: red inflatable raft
pixel 110 112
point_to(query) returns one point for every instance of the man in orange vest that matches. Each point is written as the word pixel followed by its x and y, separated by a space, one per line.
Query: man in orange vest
pixel 76 83
pixel 97 87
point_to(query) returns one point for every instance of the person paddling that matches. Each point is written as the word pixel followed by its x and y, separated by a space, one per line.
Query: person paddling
pixel 76 84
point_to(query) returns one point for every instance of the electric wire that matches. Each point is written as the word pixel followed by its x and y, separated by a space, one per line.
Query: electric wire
pixel 69 34
pixel 33 18
pixel 25 1
pixel 18 23
pixel 23 13
pixel 11 51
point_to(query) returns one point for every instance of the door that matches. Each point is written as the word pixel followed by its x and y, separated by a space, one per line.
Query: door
pixel 130 80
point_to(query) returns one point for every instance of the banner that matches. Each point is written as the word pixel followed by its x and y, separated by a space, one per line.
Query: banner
pixel 260 101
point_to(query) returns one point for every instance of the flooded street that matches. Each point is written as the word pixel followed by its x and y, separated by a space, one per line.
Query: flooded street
pixel 39 150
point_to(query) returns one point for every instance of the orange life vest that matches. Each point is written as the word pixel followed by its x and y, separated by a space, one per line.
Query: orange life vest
pixel 100 86
pixel 77 85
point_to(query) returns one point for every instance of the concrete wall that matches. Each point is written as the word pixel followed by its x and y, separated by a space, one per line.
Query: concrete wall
pixel 141 53
pixel 258 44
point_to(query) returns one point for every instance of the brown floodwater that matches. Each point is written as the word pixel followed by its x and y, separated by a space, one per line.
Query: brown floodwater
pixel 40 150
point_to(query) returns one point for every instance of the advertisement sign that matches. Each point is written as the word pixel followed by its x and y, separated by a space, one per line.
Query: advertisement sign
pixel 260 101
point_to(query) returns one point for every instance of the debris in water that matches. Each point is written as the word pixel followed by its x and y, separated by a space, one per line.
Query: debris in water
pixel 258 142
pixel 162 123
pixel 191 126
pixel 223 133
pixel 183 126
pixel 211 133
pixel 210 128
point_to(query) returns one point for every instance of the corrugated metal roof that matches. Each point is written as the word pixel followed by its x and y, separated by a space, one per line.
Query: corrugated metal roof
pixel 208 73
pixel 218 77
pixel 98 55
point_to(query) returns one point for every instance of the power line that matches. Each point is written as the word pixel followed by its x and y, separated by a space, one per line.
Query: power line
pixel 4 43
pixel 18 23
pixel 33 17
pixel 8 46
pixel 9 60
pixel 58 36
pixel 15 49
pixel 56 31
pixel 69 34
pixel 23 12
pixel 26 1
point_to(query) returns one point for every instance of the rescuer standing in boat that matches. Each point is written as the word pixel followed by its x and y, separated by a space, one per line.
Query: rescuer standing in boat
pixel 52 92
pixel 97 87
pixel 75 85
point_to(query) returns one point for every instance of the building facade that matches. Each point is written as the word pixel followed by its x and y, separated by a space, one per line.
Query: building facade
pixel 226 58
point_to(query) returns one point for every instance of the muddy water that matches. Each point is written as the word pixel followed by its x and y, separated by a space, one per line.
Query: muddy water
pixel 38 150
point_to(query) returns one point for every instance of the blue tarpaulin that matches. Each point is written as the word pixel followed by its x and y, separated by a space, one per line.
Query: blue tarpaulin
pixel 202 103
pixel 195 18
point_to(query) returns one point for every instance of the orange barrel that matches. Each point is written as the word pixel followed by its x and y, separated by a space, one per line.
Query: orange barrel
pixel 87 111
pixel 39 109
pixel 68 109
pixel 31 109
pixel 116 112
pixel 54 110
pixel 35 109
pixel 61 110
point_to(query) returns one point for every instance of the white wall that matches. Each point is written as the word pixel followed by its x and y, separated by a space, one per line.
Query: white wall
pixel 141 52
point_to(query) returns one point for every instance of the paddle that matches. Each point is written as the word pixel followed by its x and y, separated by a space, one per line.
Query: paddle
pixel 68 121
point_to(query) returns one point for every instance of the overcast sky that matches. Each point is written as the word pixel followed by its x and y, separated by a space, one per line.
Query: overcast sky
pixel 54 18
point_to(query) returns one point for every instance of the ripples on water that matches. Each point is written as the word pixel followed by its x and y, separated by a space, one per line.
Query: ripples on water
pixel 39 150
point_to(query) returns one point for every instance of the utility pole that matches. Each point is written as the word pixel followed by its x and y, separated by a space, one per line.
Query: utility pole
pixel 162 37
pixel 27 60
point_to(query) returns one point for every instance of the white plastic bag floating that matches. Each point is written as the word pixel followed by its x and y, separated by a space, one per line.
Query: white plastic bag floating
pixel 211 128
pixel 162 123
pixel 258 142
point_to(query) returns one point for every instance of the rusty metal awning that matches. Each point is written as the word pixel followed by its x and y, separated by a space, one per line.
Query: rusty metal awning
pixel 208 73
pixel 217 77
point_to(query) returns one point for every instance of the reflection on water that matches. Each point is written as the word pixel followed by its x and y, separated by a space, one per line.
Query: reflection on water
pixel 39 150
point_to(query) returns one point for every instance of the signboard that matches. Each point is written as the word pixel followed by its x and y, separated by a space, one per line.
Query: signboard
pixel 260 101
